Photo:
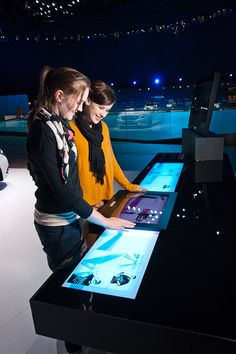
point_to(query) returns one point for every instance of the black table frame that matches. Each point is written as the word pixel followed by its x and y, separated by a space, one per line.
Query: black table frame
pixel 119 332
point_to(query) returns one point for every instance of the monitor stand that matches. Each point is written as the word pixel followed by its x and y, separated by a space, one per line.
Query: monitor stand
pixel 202 148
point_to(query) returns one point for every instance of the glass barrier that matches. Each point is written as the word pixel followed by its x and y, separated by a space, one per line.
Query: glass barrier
pixel 157 125
pixel 147 125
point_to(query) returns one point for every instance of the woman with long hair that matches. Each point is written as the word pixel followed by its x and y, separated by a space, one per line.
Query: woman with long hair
pixel 52 162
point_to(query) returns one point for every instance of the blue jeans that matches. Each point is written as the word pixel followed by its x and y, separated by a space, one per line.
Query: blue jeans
pixel 58 241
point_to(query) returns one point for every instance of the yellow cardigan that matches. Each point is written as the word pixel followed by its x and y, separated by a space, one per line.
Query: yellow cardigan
pixel 94 192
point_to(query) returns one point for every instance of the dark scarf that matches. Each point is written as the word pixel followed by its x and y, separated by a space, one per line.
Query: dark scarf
pixel 94 137
pixel 64 138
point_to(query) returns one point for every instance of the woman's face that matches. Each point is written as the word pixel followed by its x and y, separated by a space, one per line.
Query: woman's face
pixel 67 106
pixel 95 112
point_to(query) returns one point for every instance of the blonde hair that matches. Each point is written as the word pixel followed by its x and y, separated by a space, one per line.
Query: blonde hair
pixel 67 79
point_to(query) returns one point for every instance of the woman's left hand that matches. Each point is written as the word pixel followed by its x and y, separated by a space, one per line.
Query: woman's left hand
pixel 134 188
pixel 141 189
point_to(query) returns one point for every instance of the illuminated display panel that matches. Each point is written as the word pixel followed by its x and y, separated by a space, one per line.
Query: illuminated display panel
pixel 115 264
pixel 150 210
pixel 144 209
pixel 163 177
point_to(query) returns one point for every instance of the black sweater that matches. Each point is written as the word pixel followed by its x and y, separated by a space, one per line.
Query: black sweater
pixel 53 195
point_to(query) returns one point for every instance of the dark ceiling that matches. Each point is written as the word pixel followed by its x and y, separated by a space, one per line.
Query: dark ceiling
pixel 112 14
pixel 33 11
pixel 116 40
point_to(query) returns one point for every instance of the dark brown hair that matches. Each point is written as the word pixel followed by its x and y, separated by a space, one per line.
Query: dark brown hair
pixel 101 93
pixel 67 79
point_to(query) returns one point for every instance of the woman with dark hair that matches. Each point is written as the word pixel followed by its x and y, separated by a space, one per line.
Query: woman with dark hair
pixel 52 162
pixel 97 165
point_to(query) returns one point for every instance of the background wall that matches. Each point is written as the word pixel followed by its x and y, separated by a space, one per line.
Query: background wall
pixel 198 51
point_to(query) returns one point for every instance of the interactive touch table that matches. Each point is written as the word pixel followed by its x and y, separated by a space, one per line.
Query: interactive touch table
pixel 173 291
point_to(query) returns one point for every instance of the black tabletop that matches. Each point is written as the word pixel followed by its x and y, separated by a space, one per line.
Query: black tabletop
pixel 189 281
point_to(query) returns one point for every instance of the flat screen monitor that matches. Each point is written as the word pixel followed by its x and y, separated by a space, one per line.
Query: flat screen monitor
pixel 115 264
pixel 203 104
pixel 163 177
pixel 150 211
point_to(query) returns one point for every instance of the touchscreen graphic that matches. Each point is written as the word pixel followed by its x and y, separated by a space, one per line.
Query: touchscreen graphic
pixel 145 209
pixel 115 264
pixel 149 211
pixel 163 177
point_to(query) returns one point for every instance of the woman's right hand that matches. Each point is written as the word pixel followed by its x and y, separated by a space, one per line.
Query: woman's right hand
pixel 119 224
pixel 110 223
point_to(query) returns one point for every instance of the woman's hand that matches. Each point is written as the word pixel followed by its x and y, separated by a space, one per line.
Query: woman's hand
pixel 141 189
pixel 135 188
pixel 119 224
pixel 110 223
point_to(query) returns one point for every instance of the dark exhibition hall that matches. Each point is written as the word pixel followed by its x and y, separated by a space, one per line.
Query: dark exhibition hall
pixel 117 41
pixel 117 176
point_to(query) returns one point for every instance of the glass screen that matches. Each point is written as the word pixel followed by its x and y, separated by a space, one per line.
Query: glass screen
pixel 115 264
pixel 163 177
pixel 144 209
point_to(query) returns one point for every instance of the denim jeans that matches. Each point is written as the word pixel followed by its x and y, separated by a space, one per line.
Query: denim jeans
pixel 58 241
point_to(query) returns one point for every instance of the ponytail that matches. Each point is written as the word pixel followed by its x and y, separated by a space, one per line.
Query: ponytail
pixel 67 79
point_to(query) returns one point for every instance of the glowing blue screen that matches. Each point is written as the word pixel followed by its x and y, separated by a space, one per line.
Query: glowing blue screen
pixel 115 264
pixel 163 177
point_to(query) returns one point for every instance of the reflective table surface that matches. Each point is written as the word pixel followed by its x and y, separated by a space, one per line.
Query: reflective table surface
pixel 187 299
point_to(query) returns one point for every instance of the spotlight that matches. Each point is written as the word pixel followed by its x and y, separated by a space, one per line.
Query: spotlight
pixel 134 82
pixel 156 81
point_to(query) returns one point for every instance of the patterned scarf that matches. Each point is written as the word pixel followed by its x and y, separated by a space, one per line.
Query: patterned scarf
pixel 64 137
pixel 94 137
